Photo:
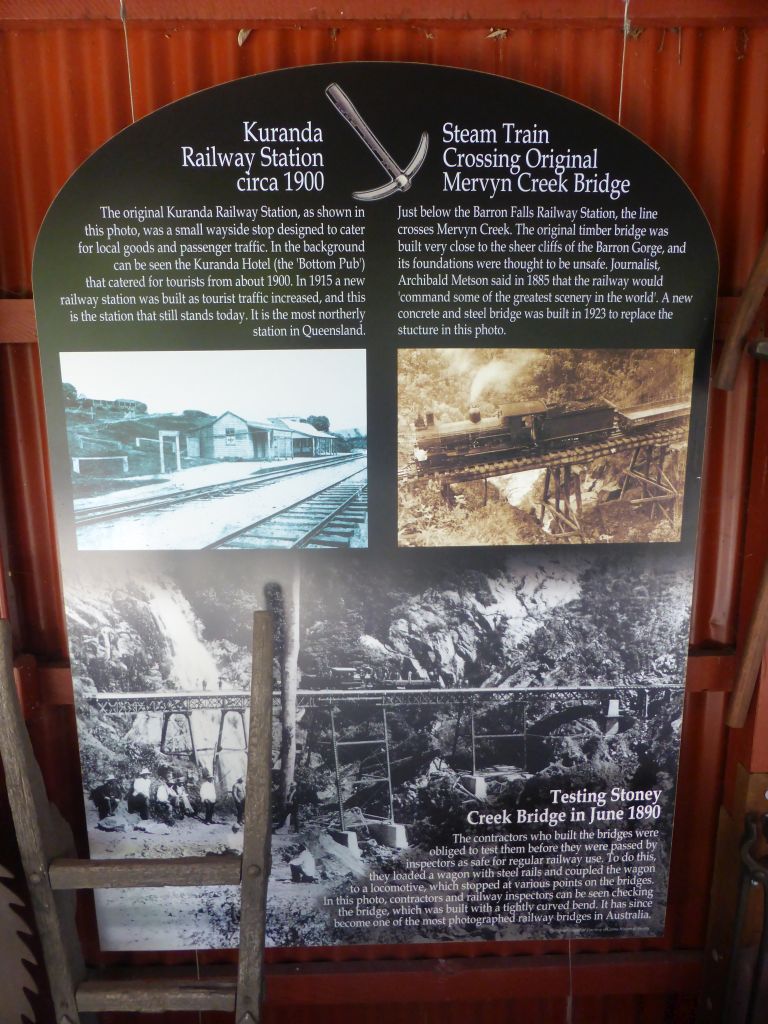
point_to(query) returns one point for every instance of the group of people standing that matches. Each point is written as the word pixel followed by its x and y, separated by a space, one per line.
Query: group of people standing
pixel 167 799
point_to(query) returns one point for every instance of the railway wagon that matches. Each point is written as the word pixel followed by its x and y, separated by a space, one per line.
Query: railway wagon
pixel 664 413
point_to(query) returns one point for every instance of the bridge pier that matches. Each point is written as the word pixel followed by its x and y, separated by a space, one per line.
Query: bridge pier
pixel 562 499
pixel 612 718
pixel 446 493
pixel 646 473
pixel 167 716
pixel 222 718
pixel 475 784
pixel 386 830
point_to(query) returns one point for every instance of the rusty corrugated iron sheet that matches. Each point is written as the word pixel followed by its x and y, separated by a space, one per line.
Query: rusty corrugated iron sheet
pixel 690 80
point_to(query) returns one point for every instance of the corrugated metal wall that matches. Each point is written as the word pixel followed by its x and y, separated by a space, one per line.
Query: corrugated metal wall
pixel 690 79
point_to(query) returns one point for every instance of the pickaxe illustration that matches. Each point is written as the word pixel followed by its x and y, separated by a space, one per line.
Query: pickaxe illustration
pixel 400 178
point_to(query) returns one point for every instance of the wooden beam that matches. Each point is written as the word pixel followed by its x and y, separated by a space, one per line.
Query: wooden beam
pixel 156 995
pixel 133 873
pixel 720 13
pixel 399 982
pixel 710 669
pixel 751 297
pixel 486 979
pixel 751 658
pixel 257 829
pixel 17 322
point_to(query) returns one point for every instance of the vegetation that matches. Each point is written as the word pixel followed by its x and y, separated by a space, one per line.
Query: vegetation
pixel 448 382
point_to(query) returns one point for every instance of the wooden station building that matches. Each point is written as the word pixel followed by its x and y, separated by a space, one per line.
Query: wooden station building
pixel 229 437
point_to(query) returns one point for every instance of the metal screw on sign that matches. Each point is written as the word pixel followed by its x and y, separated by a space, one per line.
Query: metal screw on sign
pixel 247 1018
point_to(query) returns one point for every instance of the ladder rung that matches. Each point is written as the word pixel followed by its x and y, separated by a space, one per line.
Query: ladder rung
pixel 157 994
pixel 135 872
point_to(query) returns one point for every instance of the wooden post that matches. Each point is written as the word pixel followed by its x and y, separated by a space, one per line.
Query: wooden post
pixel 41 835
pixel 257 830
pixel 751 297
pixel 751 657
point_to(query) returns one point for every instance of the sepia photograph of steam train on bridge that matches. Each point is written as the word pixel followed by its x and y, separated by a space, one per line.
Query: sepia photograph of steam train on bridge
pixel 541 446
pixel 404 698
pixel 217 449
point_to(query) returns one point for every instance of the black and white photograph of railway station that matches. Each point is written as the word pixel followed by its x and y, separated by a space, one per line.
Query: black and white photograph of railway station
pixel 190 450
pixel 402 701
pixel 542 446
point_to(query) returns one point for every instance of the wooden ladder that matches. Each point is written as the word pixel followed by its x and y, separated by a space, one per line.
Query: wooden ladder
pixel 46 847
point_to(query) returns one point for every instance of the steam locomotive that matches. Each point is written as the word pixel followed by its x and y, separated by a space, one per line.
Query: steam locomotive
pixel 366 678
pixel 520 428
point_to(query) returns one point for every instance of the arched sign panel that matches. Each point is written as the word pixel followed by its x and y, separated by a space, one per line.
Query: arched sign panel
pixel 418 358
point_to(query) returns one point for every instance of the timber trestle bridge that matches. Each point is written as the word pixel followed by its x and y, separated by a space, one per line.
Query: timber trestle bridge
pixel 180 704
pixel 533 722
pixel 644 482
pixel 530 726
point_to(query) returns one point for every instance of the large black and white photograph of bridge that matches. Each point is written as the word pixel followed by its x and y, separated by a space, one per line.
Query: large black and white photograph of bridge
pixel 402 701
pixel 190 450
pixel 541 446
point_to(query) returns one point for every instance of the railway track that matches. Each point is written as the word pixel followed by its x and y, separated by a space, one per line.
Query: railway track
pixel 327 519
pixel 103 513
pixel 489 466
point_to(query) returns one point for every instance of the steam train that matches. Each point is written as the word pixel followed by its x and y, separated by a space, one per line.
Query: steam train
pixel 521 428
pixel 367 679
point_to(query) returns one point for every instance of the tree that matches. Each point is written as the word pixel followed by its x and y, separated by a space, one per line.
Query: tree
pixel 319 423
pixel 70 395
pixel 285 605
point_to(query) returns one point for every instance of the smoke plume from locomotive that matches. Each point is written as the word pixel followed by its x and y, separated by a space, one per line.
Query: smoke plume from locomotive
pixel 499 375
